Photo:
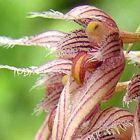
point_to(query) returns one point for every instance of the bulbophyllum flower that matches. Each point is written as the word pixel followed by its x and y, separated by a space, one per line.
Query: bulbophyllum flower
pixel 85 73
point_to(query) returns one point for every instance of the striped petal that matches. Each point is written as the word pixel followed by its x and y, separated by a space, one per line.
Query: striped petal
pixel 50 101
pixel 133 93
pixel 90 41
pixel 49 14
pixel 81 41
pixel 54 87
pixel 86 13
pixel 45 131
pixel 133 89
pixel 136 129
pixel 47 79
pixel 62 113
pixel 74 43
pixel 54 66
pixel 48 39
pixel 81 14
pixel 97 86
pixel 110 122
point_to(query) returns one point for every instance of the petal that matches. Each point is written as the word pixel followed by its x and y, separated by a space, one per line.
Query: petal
pixel 97 86
pixel 54 66
pixel 79 41
pixel 47 39
pixel 62 113
pixel 50 101
pixel 109 122
pixel 74 43
pixel 47 79
pixel 136 130
pixel 133 93
pixel 48 14
pixel 133 89
pixel 44 132
pixel 84 127
pixel 86 13
pixel 54 87
pixel 81 14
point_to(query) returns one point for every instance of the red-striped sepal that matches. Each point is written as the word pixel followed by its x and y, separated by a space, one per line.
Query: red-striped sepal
pixel 96 87
pixel 133 93
pixel 45 131
pixel 113 122
pixel 133 89
pixel 136 129
pixel 54 86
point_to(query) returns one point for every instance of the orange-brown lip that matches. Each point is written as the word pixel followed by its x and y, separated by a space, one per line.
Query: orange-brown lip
pixel 81 65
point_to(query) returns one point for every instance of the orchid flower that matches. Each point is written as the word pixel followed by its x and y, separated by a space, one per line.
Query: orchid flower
pixel 133 93
pixel 85 73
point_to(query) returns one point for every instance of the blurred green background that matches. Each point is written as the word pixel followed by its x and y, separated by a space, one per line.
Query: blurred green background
pixel 17 121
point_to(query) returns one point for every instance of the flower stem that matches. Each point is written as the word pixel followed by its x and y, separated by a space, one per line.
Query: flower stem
pixel 130 37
